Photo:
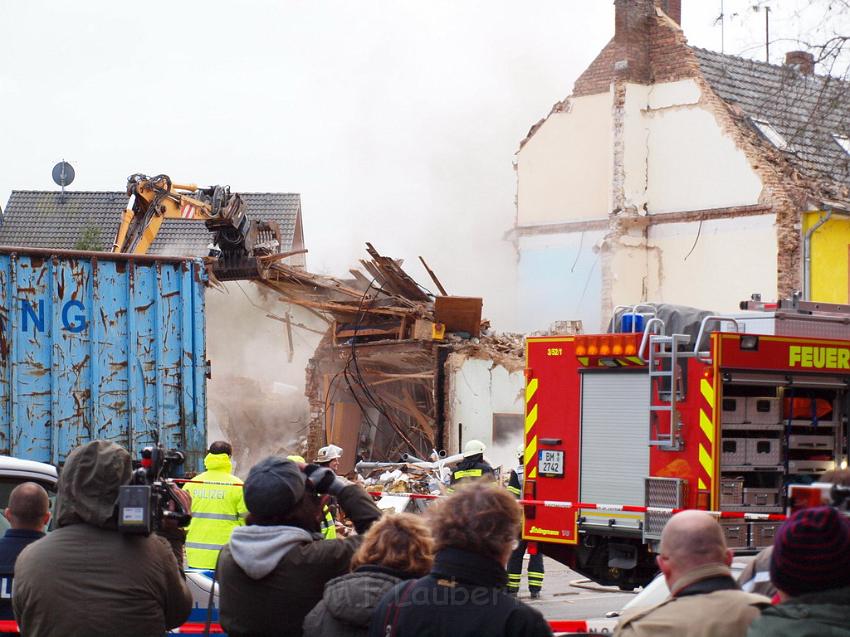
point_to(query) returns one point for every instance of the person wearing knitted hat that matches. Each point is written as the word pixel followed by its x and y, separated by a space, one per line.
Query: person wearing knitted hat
pixel 755 578
pixel 810 567
pixel 274 570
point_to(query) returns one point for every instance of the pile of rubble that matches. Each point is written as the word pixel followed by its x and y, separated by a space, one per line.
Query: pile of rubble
pixel 403 479
pixel 376 383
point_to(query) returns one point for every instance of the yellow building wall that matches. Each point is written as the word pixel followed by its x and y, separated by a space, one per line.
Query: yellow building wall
pixel 830 245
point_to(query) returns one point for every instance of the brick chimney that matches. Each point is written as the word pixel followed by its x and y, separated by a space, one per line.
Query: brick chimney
pixel 632 14
pixel 803 61
pixel 632 26
pixel 673 9
pixel 631 19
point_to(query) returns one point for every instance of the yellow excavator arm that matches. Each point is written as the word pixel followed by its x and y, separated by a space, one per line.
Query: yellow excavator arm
pixel 238 239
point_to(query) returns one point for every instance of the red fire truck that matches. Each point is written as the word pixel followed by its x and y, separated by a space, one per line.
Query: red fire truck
pixel 676 408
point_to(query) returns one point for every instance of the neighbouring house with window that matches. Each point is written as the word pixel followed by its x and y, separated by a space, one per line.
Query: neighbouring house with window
pixel 680 175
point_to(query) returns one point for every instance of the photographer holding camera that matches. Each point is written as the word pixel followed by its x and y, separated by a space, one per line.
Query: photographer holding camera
pixel 87 579
pixel 273 571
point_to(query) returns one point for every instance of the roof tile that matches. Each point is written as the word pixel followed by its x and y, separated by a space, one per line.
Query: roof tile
pixel 805 109
pixel 48 219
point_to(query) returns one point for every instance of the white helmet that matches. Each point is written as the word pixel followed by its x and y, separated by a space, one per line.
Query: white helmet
pixel 520 450
pixel 331 452
pixel 473 448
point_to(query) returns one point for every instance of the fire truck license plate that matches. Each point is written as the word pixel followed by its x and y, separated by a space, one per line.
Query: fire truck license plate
pixel 550 463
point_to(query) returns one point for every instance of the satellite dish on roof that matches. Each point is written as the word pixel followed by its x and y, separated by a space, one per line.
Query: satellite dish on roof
pixel 63 175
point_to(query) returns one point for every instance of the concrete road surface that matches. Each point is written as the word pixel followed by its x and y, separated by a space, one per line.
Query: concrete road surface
pixel 561 598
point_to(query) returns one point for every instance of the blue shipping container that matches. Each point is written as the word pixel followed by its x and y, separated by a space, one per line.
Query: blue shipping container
pixel 101 346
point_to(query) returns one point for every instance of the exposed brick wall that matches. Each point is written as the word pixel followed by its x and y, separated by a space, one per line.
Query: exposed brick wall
pixel 672 8
pixel 670 56
pixel 647 47
pixel 598 76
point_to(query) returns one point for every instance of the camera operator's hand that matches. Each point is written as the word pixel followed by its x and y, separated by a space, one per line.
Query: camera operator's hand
pixel 184 497
pixel 324 480
pixel 185 500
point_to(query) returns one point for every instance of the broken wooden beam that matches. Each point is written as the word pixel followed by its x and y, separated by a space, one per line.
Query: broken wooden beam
pixel 434 278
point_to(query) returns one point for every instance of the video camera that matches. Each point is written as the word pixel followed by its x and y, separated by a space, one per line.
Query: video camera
pixel 804 496
pixel 148 502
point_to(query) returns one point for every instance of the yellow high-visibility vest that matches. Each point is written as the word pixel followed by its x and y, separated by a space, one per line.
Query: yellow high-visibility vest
pixel 328 524
pixel 218 507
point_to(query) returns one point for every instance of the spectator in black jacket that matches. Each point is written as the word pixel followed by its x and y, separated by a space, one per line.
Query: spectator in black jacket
pixel 28 513
pixel 397 547
pixel 274 570
pixel 474 531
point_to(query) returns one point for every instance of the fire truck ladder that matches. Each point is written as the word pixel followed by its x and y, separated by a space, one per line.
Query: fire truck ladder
pixel 661 349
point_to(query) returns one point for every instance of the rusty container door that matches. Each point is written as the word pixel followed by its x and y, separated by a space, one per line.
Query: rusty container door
pixel 99 346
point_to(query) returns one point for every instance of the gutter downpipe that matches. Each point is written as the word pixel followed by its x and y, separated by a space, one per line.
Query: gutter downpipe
pixel 807 255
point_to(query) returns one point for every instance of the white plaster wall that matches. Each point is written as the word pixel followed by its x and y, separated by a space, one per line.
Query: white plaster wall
pixel 669 94
pixel 564 170
pixel 560 279
pixel 690 162
pixel 477 390
pixel 732 259
pixel 635 147
pixel 631 282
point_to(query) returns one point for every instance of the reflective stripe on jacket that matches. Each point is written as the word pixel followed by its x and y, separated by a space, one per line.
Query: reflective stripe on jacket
pixel 473 468
pixel 218 507
pixel 328 524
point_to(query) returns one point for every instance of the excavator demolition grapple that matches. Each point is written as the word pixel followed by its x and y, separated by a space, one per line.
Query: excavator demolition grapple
pixel 237 240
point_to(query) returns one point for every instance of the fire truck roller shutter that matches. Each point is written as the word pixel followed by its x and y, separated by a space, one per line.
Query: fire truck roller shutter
pixel 614 444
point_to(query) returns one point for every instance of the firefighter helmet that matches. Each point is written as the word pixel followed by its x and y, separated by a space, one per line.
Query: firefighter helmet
pixel 326 454
pixel 297 459
pixel 520 450
pixel 473 448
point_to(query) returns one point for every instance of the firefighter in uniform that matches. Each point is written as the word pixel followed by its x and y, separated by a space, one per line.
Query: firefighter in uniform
pixel 473 466
pixel 329 457
pixel 217 507
pixel 535 563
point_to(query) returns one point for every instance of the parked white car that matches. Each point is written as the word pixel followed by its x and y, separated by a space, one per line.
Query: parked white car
pixel 14 471
pixel 653 593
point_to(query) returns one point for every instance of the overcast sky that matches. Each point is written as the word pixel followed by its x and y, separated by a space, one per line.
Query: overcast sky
pixel 396 120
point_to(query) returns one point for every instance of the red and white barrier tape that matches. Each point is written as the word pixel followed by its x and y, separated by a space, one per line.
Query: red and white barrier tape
pixel 197 628
pixel 558 504
pixel 613 508
pixel 189 628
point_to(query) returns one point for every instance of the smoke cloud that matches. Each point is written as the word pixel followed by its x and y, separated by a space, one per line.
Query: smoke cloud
pixel 256 396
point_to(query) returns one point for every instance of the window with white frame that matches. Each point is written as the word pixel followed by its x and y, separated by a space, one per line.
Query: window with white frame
pixel 771 134
pixel 843 141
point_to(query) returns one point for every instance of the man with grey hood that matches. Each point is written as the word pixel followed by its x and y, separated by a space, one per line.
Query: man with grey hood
pixel 273 571
pixel 85 578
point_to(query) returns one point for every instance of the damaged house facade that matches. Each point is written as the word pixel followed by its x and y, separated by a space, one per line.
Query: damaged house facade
pixel 676 174
pixel 402 371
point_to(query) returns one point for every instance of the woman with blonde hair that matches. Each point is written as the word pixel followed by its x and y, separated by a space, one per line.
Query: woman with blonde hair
pixel 397 547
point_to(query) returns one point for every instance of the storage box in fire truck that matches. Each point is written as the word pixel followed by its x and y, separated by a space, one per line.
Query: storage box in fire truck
pixel 678 408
